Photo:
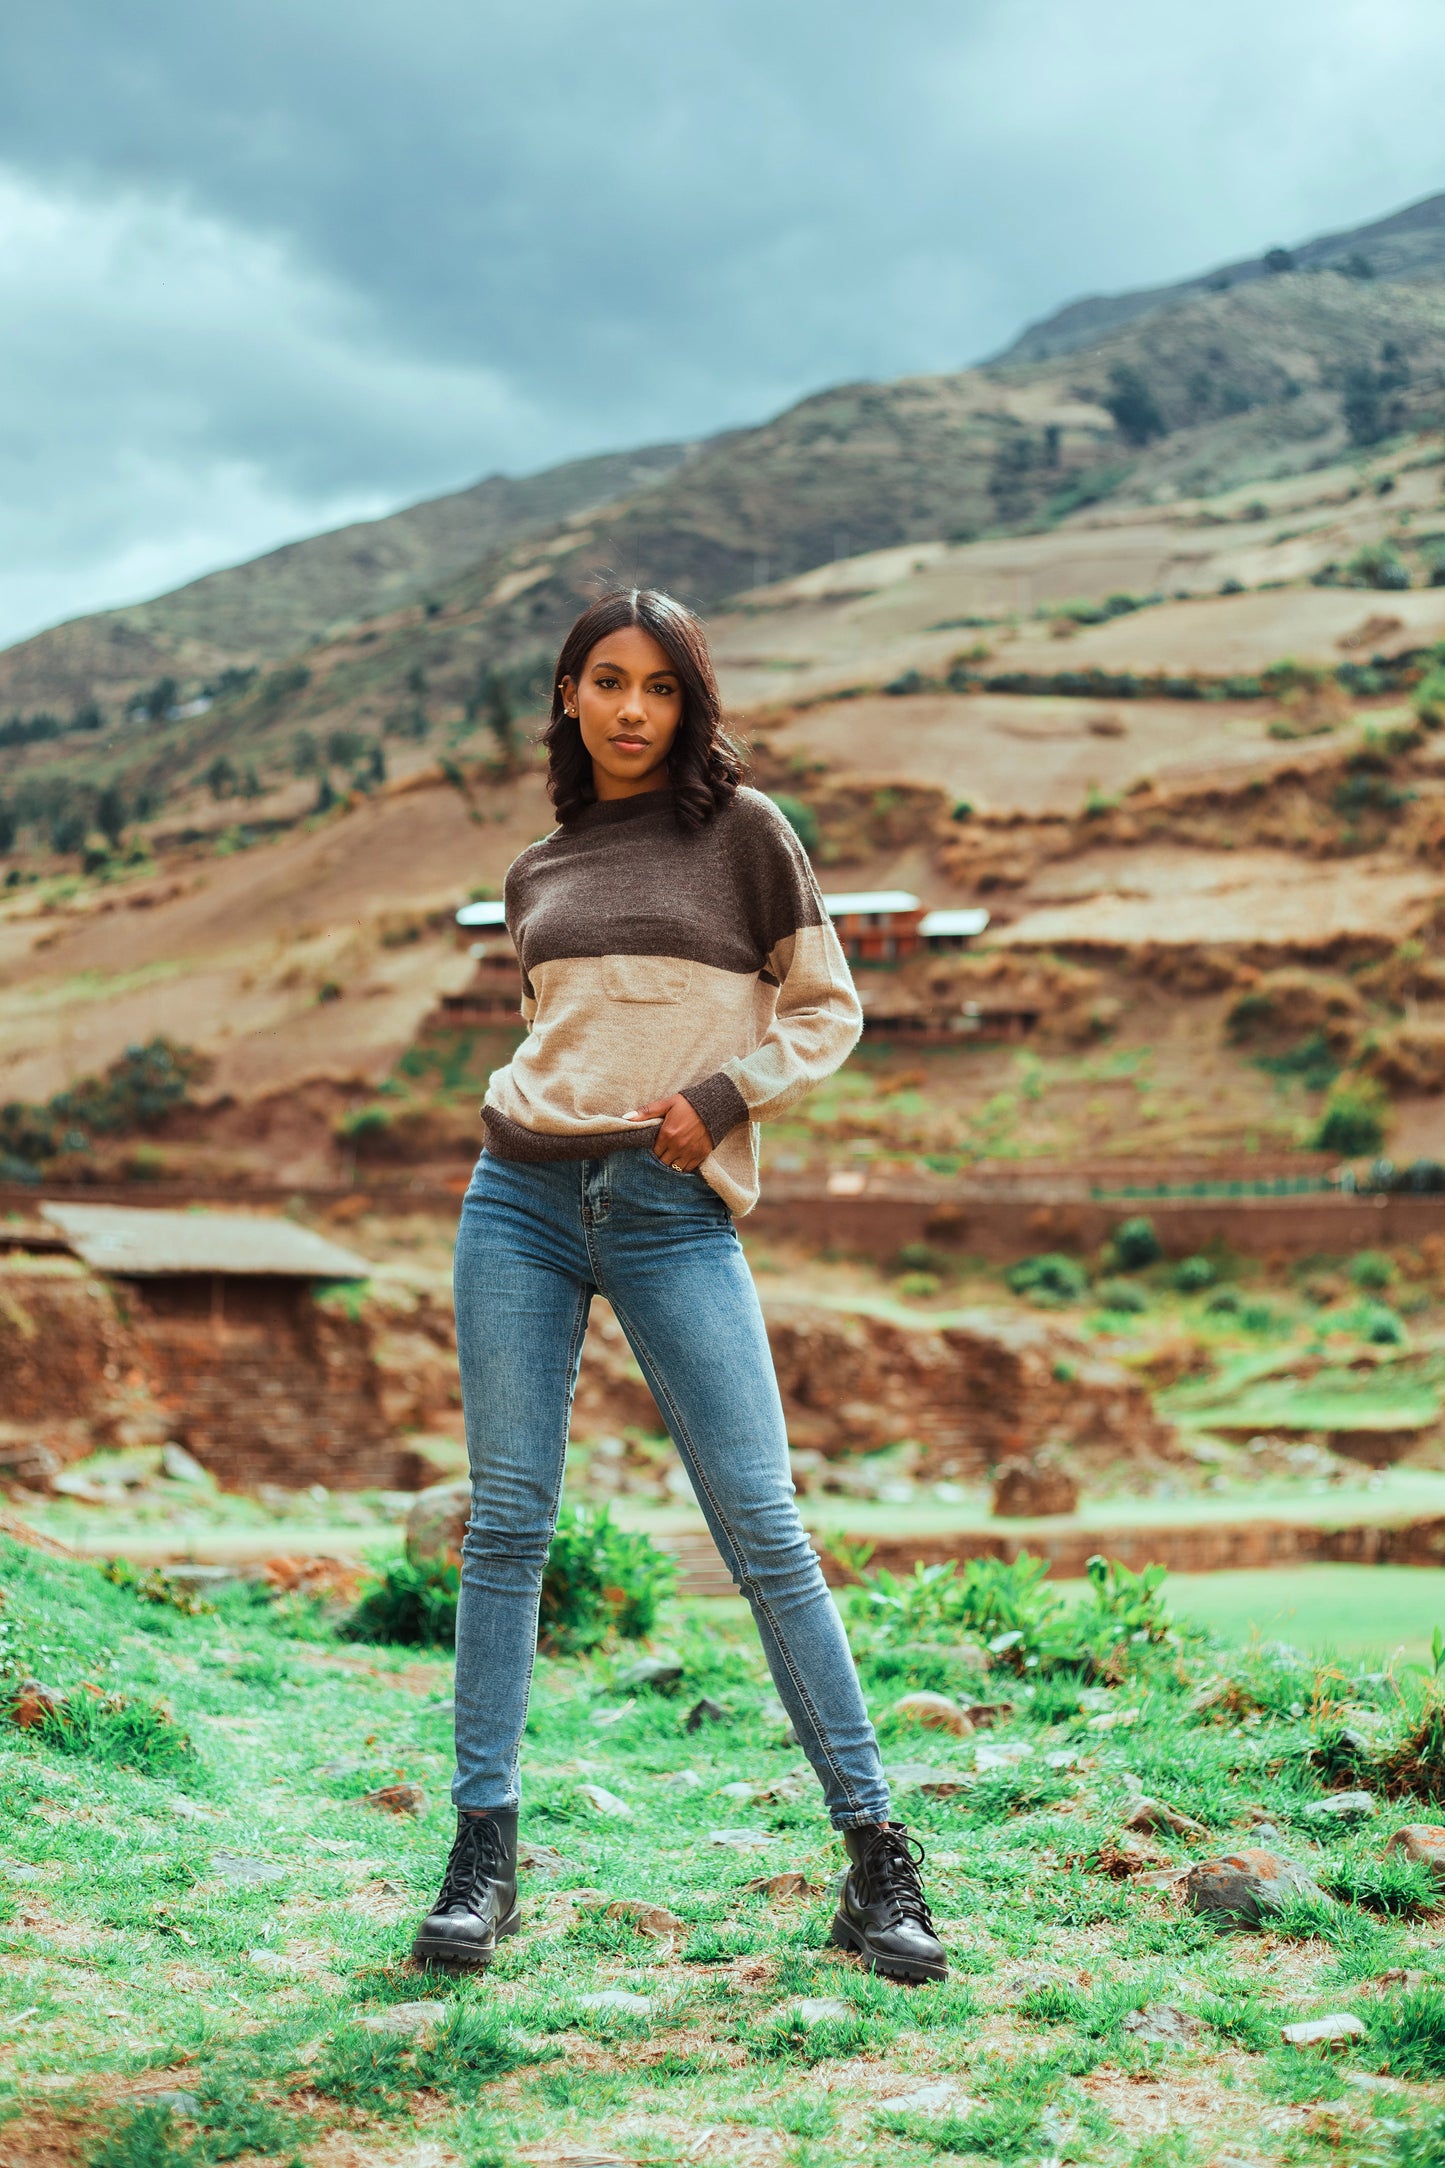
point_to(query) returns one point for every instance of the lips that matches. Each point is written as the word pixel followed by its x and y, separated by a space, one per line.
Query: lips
pixel 630 745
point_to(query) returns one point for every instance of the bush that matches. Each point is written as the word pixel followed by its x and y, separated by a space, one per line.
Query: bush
pixel 1224 1304
pixel 1052 1278
pixel 1372 1270
pixel 1122 1296
pixel 1193 1274
pixel 1006 1605
pixel 1376 1323
pixel 410 1604
pixel 1132 405
pixel 919 1285
pixel 1429 700
pixel 1378 564
pixel 1135 1244
pixel 800 818
pixel 1353 1120
pixel 600 1579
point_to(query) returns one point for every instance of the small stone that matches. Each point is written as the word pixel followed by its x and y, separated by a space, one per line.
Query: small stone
pixel 181 1466
pixel 1424 1843
pixel 654 1674
pixel 781 1886
pixel 1153 1814
pixel 983 1714
pixel 404 2018
pixel 1365 2081
pixel 239 1868
pixel 941 2097
pixel 739 1840
pixel 541 1859
pixel 618 1999
pixel 744 1790
pixel 1113 1720
pixel 820 2009
pixel 31 1703
pixel 681 1780
pixel 1026 1490
pixel 1406 1976
pixel 1001 1753
pixel 1342 1807
pixel 936 1712
pixel 396 1799
pixel 1247 1886
pixel 336 1771
pixel 924 1777
pixel 178 2103
pixel 1160 2024
pixel 1324 2032
pixel 14 1871
pixel 601 1801
pixel 705 1712
pixel 654 1921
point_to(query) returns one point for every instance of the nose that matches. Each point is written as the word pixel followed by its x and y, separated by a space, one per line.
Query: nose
pixel 630 709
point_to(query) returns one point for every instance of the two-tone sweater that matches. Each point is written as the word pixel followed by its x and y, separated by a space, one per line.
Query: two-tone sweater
pixel 656 961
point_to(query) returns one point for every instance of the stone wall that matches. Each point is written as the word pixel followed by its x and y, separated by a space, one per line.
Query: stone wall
pixel 68 1369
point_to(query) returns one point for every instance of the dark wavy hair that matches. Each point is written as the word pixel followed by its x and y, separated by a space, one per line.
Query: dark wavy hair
pixel 703 763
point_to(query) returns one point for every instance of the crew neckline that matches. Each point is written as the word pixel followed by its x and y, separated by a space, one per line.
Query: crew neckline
pixel 603 812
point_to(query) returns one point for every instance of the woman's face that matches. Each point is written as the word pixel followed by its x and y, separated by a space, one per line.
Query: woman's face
pixel 628 704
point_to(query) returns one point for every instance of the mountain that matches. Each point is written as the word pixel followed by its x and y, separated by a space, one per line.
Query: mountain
pixel 1408 244
pixel 266 609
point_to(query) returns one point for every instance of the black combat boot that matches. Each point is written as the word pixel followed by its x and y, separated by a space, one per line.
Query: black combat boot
pixel 478 1901
pixel 881 1912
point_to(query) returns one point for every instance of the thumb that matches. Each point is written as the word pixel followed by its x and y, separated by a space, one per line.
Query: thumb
pixel 653 1112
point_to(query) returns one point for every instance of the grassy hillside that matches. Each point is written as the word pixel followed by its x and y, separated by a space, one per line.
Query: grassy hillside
pixel 1409 244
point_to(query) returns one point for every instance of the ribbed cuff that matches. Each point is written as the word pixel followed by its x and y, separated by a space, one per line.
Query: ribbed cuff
pixel 718 1105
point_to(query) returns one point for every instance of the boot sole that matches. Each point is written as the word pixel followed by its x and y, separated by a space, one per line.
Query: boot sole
pixel 443 1955
pixel 845 1936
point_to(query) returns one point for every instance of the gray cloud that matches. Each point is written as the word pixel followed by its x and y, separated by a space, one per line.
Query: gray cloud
pixel 271 263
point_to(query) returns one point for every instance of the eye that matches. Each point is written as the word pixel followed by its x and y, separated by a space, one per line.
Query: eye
pixel 604 682
pixel 661 685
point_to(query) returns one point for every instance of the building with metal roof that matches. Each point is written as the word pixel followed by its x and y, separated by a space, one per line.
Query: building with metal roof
pixel 132 1242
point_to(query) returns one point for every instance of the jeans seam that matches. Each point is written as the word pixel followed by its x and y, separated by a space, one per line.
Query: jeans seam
pixel 579 1327
pixel 682 1434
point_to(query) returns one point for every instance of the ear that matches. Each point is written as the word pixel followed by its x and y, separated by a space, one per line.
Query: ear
pixel 567 686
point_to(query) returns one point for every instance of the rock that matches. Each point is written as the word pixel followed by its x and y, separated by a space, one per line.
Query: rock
pixel 983 1714
pixel 181 1466
pixel 654 1674
pixel 942 2096
pixel 936 1712
pixel 395 1799
pixel 270 1960
pixel 239 1868
pixel 746 1789
pixel 926 1777
pixel 705 1712
pixel 1423 1842
pixel 739 1840
pixel 618 1999
pixel 1001 1753
pixel 681 1780
pixel 31 1703
pixel 654 1921
pixel 1324 2032
pixel 1342 1807
pixel 1407 1976
pixel 1025 1490
pixel 541 1859
pixel 820 2009
pixel 404 2018
pixel 14 1870
pixel 1153 1814
pixel 1247 1886
pixel 447 1706
pixel 601 1801
pixel 1113 1720
pixel 437 1522
pixel 1160 2024
pixel 178 2103
pixel 781 1886
pixel 1365 2081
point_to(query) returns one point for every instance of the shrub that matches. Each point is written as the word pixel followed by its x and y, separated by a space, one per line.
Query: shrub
pixel 600 1579
pixel 1429 700
pixel 1051 1278
pixel 1122 1296
pixel 408 1603
pixel 800 818
pixel 1192 1274
pixel 1376 1323
pixel 919 1285
pixel 1353 1120
pixel 1006 1605
pixel 1135 1244
pixel 1223 1304
pixel 1132 405
pixel 1378 564
pixel 1372 1270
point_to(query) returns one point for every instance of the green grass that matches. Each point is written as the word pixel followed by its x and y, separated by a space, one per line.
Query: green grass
pixel 132 1966
pixel 1359 1611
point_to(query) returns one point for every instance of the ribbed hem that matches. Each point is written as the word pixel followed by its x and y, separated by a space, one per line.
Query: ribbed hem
pixel 507 1139
pixel 718 1105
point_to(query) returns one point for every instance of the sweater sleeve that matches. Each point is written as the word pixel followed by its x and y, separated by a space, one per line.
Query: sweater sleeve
pixel 513 892
pixel 817 1018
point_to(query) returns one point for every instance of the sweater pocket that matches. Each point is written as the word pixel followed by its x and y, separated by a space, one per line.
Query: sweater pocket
pixel 646 978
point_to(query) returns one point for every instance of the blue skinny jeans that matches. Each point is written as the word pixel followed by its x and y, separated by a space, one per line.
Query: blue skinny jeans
pixel 536 1242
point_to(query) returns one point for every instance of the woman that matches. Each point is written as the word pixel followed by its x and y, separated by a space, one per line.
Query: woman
pixel 681 981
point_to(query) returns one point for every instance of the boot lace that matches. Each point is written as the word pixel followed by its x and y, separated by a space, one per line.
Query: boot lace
pixel 891 1860
pixel 476 1855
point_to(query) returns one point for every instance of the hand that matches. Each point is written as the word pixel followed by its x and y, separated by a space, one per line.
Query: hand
pixel 682 1141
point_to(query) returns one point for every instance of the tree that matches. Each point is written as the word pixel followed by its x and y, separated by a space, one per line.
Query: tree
pixel 376 763
pixel 1277 260
pixel 9 826
pixel 305 754
pixel 155 703
pixel 1357 266
pixel 110 815
pixel 1362 406
pixel 221 777
pixel 325 796
pixel 343 747
pixel 67 832
pixel 1136 412
pixel 88 717
pixel 499 717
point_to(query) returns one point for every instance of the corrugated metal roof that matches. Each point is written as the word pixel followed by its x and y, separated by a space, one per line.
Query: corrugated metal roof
pixel 934 924
pixel 482 914
pixel 861 901
pixel 117 1238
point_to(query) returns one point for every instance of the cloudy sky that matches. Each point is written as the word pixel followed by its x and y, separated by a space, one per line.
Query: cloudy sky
pixel 268 265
